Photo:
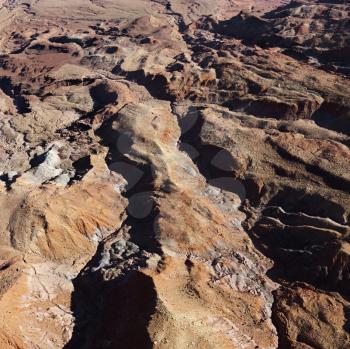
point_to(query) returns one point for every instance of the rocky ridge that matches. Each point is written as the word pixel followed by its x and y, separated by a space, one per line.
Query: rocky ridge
pixel 174 174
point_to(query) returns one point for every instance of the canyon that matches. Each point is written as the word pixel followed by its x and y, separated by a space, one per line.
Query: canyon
pixel 174 174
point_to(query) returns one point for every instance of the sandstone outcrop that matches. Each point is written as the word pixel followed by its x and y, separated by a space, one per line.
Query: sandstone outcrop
pixel 174 174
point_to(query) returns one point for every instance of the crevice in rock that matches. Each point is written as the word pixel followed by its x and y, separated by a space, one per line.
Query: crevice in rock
pixel 102 96
pixel 313 204
pixel 15 92
pixel 156 85
pixel 141 228
pixel 9 179
pixel 82 42
pixel 205 156
pixel 111 313
pixel 53 84
pixel 82 167
pixel 334 117
pixel 180 21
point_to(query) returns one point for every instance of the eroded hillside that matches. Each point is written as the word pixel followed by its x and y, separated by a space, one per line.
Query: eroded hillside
pixel 174 174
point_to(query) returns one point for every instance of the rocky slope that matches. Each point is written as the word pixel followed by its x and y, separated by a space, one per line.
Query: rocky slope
pixel 174 174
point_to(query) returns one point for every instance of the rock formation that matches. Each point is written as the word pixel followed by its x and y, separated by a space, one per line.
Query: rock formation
pixel 174 174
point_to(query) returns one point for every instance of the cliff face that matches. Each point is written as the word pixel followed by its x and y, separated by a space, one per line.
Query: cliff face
pixel 174 174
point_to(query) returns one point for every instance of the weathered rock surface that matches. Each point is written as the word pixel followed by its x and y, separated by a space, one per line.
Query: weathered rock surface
pixel 174 174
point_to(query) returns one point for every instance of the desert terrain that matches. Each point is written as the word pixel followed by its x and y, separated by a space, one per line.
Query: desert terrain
pixel 174 174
